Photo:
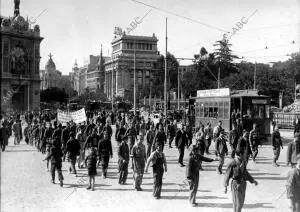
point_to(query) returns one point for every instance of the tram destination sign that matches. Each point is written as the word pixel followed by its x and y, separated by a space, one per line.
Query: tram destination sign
pixel 213 92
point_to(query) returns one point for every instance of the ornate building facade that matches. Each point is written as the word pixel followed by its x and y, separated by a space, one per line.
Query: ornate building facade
pixel 53 78
pixel 119 70
pixel 20 61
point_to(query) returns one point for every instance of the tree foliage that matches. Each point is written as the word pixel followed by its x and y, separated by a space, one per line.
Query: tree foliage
pixel 53 95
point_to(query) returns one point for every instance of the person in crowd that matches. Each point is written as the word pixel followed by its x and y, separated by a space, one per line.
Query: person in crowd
pixel 293 186
pixel 123 154
pixel 243 146
pixel 42 140
pixel 130 135
pixel 16 129
pixel 80 139
pixel 56 163
pixel 4 133
pixel 91 141
pixel 48 140
pixel 254 140
pixel 200 139
pixel 65 135
pixel 27 133
pixel 240 127
pixel 91 164
pixel 216 133
pixel 221 150
pixel 293 150
pixel 277 145
pixel 72 150
pixel 297 127
pixel 171 133
pixel 233 139
pixel 104 152
pixel 143 127
pixel 139 159
pixel 120 133
pixel 159 165
pixel 192 172
pixel 108 128
pixel 149 139
pixel 160 137
pixel 208 132
pixel 239 174
pixel 181 141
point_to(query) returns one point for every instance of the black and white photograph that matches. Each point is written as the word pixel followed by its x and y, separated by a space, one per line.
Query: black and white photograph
pixel 150 106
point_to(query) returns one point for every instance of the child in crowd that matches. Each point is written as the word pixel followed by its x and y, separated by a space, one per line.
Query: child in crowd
pixel 91 164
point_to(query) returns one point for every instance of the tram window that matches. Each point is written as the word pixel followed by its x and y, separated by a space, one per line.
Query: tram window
pixel 206 109
pixel 221 110
pixel 216 110
pixel 197 109
pixel 267 111
pixel 201 109
pixel 226 110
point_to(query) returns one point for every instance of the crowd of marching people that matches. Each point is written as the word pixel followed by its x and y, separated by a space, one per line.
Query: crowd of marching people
pixel 141 143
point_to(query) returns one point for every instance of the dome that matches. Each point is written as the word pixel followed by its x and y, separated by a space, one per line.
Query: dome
pixel 50 65
pixel 19 23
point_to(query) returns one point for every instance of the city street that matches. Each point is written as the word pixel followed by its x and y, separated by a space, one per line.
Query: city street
pixel 26 186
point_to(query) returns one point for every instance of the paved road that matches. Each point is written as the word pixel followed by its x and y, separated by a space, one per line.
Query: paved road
pixel 25 186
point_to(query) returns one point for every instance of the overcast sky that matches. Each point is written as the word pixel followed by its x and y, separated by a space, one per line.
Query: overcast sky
pixel 74 29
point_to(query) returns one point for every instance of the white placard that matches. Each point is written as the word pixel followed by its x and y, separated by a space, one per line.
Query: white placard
pixel 77 116
pixel 213 92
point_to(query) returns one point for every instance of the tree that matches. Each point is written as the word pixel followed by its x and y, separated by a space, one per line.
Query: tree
pixel 224 57
pixel 53 95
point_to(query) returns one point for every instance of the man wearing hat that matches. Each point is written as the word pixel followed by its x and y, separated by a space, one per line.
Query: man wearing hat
pixel 65 135
pixel 221 149
pixel 243 146
pixel 104 152
pixel 293 150
pixel 181 141
pixel 192 172
pixel 73 150
pixel 293 186
pixel 139 158
pixel 254 141
pixel 239 174
pixel 4 133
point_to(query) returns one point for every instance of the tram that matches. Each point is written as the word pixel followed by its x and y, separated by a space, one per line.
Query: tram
pixel 229 105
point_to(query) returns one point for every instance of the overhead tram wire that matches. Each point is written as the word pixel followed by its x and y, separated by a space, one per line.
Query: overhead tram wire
pixel 181 16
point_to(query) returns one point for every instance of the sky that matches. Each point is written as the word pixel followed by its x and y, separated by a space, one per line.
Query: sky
pixel 75 29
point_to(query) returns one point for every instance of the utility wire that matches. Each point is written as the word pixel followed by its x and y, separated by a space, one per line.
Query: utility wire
pixel 180 16
pixel 268 47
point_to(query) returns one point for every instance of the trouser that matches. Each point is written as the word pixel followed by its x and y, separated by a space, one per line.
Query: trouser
pixel 171 138
pixel 238 195
pixel 3 146
pixel 216 152
pixel 276 152
pixel 221 162
pixel 123 172
pixel 56 167
pixel 193 188
pixel 104 164
pixel 17 139
pixel 157 184
pixel 208 143
pixel 254 151
pixel 233 150
pixel 181 155
pixel 296 205
pixel 81 158
pixel 131 141
pixel 149 146
pixel 72 161
pixel 138 174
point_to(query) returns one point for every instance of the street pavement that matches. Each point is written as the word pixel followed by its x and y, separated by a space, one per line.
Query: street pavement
pixel 26 186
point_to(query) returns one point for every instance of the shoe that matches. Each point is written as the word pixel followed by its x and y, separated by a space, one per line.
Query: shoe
pixel 53 181
pixel 93 189
pixel 61 184
pixel 277 165
pixel 124 183
pixel 170 147
pixel 88 188
pixel 158 197
pixel 182 165
pixel 194 204
pixel 139 189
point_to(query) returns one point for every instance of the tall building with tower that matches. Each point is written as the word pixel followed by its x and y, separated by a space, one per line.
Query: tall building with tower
pixel 128 53
pixel 20 63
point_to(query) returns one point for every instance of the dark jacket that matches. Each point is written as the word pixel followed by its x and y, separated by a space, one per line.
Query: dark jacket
pixel 123 152
pixel 243 146
pixel 182 139
pixel 120 133
pixel 105 148
pixel 233 138
pixel 276 140
pixel 293 186
pixel 221 146
pixel 194 164
pixel 293 150
pixel 91 141
pixel 73 148
pixel 65 136
pixel 55 155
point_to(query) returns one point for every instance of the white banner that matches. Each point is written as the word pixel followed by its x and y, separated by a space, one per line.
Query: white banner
pixel 77 116
pixel 63 116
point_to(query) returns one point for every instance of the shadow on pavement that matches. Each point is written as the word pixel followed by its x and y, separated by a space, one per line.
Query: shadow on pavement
pixel 229 205
pixel 260 174
pixel 270 178
pixel 25 150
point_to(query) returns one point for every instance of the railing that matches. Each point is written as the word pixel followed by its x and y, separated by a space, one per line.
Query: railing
pixel 285 120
